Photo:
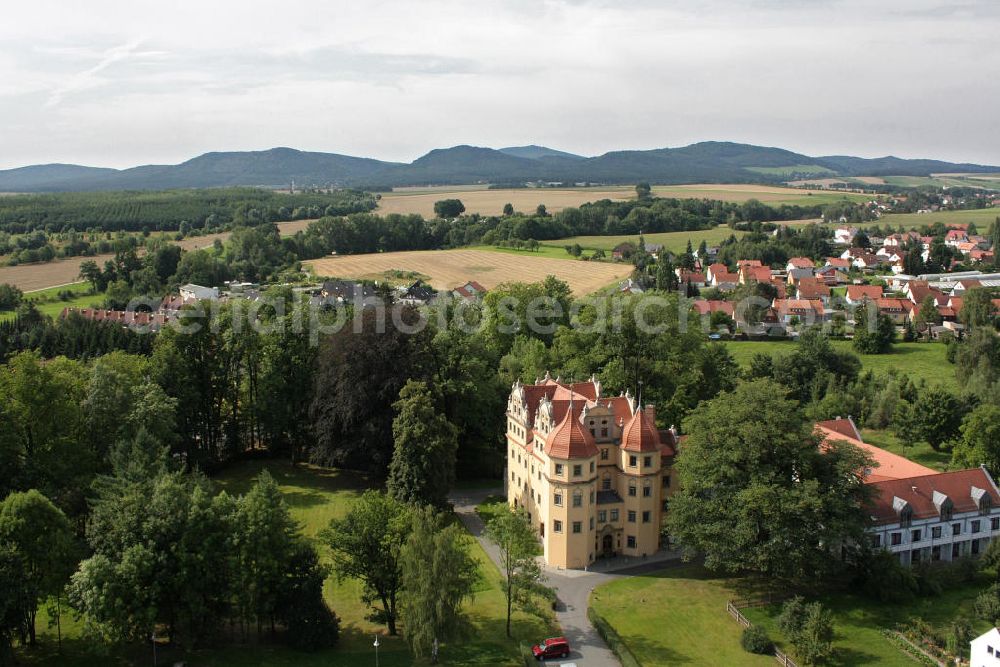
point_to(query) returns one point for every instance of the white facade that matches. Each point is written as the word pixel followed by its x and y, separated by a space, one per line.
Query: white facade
pixel 938 539
pixel 985 650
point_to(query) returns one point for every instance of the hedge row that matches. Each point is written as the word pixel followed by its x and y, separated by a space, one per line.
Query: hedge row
pixel 613 639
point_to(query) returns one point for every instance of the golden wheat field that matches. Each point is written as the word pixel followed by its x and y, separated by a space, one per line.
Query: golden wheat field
pixel 491 202
pixel 447 269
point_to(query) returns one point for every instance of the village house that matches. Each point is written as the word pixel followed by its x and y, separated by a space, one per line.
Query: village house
pixel 693 278
pixel 831 275
pixel 844 235
pixel 591 472
pixel 799 263
pixel 806 312
pixel 813 288
pixel 470 291
pixel 859 293
pixel 417 294
pixel 795 275
pixel 750 273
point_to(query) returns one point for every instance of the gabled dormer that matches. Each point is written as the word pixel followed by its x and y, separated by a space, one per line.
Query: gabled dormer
pixel 903 511
pixel 982 499
pixel 944 505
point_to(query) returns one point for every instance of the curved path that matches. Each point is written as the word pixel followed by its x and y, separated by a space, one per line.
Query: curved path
pixel 572 587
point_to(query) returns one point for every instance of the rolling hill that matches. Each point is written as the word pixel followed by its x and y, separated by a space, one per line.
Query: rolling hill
pixel 710 161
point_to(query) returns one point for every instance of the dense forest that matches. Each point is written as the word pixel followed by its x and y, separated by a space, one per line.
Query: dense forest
pixel 167 210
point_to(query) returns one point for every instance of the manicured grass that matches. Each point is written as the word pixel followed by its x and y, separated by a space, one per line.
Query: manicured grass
pixel 857 621
pixel 925 361
pixel 47 300
pixel 315 496
pixel 676 617
pixel 919 452
pixel 673 241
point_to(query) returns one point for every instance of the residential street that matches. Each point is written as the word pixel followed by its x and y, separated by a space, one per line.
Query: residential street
pixel 572 586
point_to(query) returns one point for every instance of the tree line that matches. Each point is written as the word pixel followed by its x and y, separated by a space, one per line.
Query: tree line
pixel 169 210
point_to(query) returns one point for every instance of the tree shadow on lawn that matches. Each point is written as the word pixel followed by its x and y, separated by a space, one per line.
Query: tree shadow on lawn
pixel 653 653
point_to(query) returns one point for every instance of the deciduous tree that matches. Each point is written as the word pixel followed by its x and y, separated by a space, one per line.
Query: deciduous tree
pixel 518 546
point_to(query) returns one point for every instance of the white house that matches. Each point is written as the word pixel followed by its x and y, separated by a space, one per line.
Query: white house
pixel 985 649
pixel 192 292
pixel 844 235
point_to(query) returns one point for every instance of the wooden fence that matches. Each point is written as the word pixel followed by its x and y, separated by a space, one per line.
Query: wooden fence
pixel 733 608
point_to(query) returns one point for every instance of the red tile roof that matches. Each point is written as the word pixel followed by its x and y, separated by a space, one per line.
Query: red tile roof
pixel 759 273
pixel 889 465
pixel 812 288
pixel 801 262
pixel 639 434
pixel 569 439
pixel 860 292
pixel 706 306
pixel 919 492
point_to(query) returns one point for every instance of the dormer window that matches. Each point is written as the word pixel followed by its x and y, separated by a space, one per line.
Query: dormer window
pixel 983 500
pixel 944 505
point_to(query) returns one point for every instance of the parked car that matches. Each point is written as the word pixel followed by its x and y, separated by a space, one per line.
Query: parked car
pixel 553 647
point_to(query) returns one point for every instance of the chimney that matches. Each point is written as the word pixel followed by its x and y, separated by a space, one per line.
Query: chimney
pixel 650 412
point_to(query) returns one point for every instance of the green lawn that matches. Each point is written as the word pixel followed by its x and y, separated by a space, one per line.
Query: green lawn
pixel 857 621
pixel 918 360
pixel 47 301
pixel 919 452
pixel 676 617
pixel 674 241
pixel 316 495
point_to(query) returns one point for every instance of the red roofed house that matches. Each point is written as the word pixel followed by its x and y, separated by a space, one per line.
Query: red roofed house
pixel 812 288
pixel 696 279
pixel 808 312
pixel 897 310
pixel 839 262
pixel 858 293
pixel 590 471
pixel 799 263
pixel 470 291
pixel 709 306
pixel 919 514
pixel 760 274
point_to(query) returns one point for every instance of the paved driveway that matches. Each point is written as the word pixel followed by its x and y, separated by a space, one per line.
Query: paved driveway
pixel 572 586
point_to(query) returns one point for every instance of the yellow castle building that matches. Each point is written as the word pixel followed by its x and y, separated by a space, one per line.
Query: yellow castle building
pixel 593 473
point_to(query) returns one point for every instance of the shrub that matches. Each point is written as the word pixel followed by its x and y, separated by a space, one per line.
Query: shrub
pixel 755 640
pixel 612 639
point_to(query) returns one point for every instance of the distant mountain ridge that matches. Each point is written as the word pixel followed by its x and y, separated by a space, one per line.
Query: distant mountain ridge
pixel 710 161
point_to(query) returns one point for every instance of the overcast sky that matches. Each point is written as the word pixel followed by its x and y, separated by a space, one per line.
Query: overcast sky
pixel 121 83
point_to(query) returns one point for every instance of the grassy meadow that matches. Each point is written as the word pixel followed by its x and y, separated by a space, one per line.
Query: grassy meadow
pixel 674 241
pixel 315 496
pixel 678 617
pixel 925 361
pixel 982 217
pixel 47 300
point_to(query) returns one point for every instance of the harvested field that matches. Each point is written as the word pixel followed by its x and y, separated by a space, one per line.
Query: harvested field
pixel 30 277
pixel 448 269
pixel 769 194
pixel 491 202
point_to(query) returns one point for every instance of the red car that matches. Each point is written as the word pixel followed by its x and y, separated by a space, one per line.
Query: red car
pixel 553 647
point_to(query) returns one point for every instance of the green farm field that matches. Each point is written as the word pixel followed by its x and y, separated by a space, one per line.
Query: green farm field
pixel 982 217
pixel 925 361
pixel 315 496
pixel 674 241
